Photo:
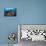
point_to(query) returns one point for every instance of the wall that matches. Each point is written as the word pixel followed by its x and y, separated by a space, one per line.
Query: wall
pixel 28 12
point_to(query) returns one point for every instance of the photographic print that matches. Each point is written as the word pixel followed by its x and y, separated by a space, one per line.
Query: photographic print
pixel 9 11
